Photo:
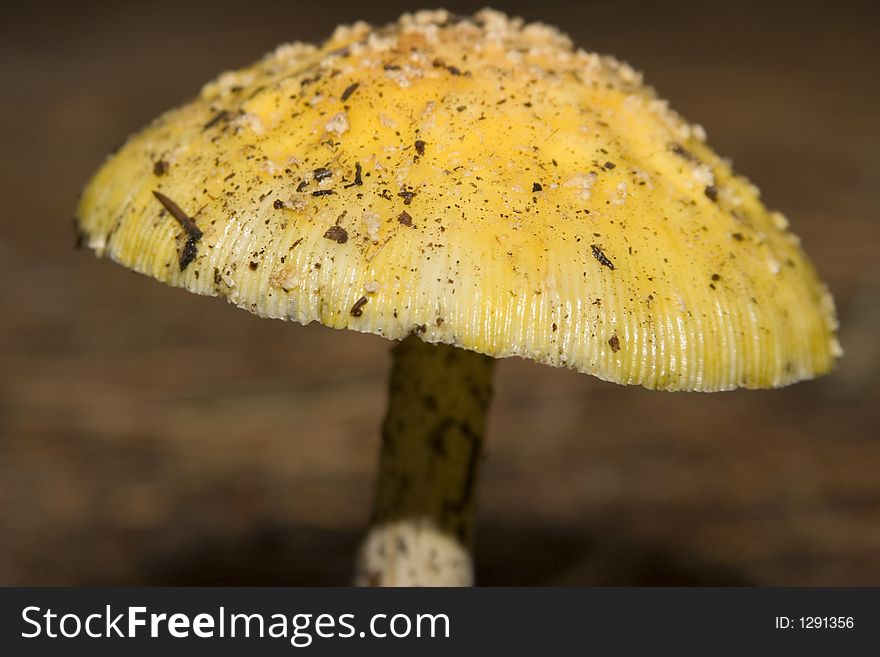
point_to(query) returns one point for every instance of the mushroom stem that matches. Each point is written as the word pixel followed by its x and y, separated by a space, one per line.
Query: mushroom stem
pixel 432 441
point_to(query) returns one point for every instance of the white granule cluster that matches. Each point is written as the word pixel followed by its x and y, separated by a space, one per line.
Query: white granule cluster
pixel 425 17
pixel 270 167
pixel 284 278
pixel 226 83
pixel 378 43
pixel 779 220
pixel 371 220
pixel 338 123
pixel 353 32
pixel 249 121
pixel 404 76
pixel 643 177
pixel 703 175
pixel 583 183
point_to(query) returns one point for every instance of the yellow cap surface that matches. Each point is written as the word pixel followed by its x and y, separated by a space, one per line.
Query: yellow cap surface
pixel 479 182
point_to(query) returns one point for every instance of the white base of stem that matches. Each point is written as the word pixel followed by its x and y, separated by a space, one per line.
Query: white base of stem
pixel 412 552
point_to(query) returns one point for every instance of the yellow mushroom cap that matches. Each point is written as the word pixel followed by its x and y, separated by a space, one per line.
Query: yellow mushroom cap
pixel 479 182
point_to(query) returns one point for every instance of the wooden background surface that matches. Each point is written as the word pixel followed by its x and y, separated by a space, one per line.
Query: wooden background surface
pixel 148 436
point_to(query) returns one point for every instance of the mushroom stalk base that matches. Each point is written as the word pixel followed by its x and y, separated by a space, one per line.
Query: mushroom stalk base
pixel 432 441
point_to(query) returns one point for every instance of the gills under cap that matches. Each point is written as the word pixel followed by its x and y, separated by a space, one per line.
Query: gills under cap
pixel 482 183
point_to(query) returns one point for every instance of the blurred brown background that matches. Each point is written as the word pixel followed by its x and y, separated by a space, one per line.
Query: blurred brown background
pixel 148 436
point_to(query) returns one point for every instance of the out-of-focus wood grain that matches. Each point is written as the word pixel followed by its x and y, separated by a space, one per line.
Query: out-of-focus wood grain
pixel 130 452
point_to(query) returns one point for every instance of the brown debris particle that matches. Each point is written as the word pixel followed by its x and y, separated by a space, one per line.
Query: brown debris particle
pixel 321 173
pixel 80 235
pixel 219 116
pixel 349 90
pixel 420 147
pixel 614 342
pixel 278 204
pixel 358 170
pixel 305 82
pixel 407 196
pixel 599 254
pixel 160 168
pixel 188 253
pixel 337 233
pixel 253 265
pixel 711 193
pixel 405 218
pixel 193 234
pixel 537 187
pixel 356 309
pixel 439 63
pixel 681 151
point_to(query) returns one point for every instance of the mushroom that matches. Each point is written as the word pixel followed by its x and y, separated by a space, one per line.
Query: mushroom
pixel 473 188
